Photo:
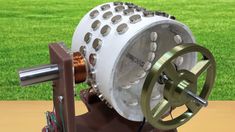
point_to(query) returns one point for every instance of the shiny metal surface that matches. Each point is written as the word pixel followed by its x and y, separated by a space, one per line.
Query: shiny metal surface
pixel 94 14
pixel 95 25
pixel 181 87
pixel 107 15
pixel 116 19
pixel 38 74
pixel 122 28
pixel 117 3
pixel 135 18
pixel 128 11
pixel 196 98
pixel 105 7
pixel 87 37
pixel 119 8
pixel 105 30
pixel 97 44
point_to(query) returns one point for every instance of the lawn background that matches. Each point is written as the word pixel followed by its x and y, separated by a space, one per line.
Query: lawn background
pixel 27 26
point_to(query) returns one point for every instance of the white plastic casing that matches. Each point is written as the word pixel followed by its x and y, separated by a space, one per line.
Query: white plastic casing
pixel 113 45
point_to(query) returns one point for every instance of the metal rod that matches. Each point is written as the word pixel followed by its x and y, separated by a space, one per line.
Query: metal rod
pixel 198 99
pixel 38 74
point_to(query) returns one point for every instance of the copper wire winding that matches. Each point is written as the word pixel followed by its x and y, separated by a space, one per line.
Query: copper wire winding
pixel 79 64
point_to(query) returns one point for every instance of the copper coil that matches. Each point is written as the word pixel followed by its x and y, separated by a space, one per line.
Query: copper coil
pixel 79 64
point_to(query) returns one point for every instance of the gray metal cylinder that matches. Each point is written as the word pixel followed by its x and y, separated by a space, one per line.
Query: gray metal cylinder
pixel 196 98
pixel 38 74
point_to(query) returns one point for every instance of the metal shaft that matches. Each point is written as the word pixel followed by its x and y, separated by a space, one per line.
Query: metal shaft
pixel 38 74
pixel 196 98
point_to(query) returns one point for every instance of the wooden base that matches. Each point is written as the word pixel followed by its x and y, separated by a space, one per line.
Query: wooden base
pixel 101 118
pixel 28 116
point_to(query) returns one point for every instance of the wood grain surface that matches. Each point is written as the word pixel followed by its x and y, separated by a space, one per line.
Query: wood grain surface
pixel 28 116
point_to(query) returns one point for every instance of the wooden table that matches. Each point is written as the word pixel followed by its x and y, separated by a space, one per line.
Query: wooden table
pixel 28 116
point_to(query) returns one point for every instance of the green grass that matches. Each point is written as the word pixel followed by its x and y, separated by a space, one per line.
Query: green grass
pixel 27 26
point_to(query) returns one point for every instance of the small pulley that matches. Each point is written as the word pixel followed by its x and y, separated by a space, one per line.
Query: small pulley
pixel 180 86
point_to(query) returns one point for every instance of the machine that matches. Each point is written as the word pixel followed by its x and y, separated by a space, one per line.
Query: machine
pixel 140 66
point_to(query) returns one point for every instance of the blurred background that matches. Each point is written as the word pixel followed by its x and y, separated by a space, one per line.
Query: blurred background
pixel 28 26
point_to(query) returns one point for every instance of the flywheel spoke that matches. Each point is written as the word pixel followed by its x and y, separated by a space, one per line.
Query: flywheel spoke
pixel 171 71
pixel 200 67
pixel 160 109
pixel 193 106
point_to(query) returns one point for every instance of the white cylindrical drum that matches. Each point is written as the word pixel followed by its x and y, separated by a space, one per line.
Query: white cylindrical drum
pixel 121 42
